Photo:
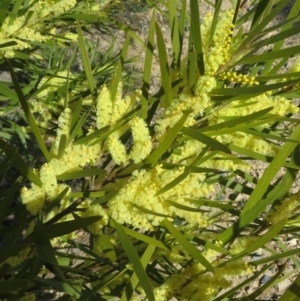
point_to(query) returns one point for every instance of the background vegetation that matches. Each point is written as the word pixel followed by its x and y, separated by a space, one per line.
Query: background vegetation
pixel 111 193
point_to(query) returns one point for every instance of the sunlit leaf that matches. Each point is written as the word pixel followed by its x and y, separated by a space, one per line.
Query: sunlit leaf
pixel 138 267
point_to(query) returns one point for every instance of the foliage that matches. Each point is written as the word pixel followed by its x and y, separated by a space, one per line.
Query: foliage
pixel 106 194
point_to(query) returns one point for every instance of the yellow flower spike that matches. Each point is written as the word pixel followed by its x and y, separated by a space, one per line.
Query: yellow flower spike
pixel 64 126
pixel 117 149
pixel 33 199
pixel 104 108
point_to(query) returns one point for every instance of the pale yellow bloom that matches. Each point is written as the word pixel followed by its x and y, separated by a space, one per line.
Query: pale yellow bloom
pixel 64 126
pixel 117 149
pixel 104 108
pixel 283 210
pixel 142 141
pixel 96 210
pixel 142 192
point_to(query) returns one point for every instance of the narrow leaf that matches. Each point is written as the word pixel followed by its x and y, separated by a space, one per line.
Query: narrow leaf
pixel 18 163
pixel 118 73
pixel 173 183
pixel 4 10
pixel 28 114
pixel 186 208
pixel 61 286
pixel 7 200
pixel 48 232
pixel 148 211
pixel 264 239
pixel 45 253
pixel 196 34
pixel 192 250
pixel 270 56
pixel 85 60
pixel 206 140
pixel 81 174
pixel 135 260
pixel 292 293
pixel 271 171
pixel 164 67
pixel 10 286
pixel 145 238
pixel 148 67
pixel 170 136
pixel 134 278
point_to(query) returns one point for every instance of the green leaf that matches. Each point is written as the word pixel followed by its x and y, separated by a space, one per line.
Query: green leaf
pixel 10 251
pixel 81 174
pixel 237 121
pixel 85 295
pixel 148 67
pixel 211 204
pixel 175 34
pixel 116 79
pixel 76 115
pixel 80 123
pixel 61 286
pixel 4 10
pixel 292 293
pixel 10 94
pixel 56 202
pixel 167 141
pixel 62 146
pixel 164 67
pixel 106 246
pixel 90 137
pixel 259 11
pixel 134 280
pixel 87 194
pixel 282 26
pixel 236 288
pixel 275 257
pixel 196 34
pixel 45 253
pixel 181 27
pixel 173 183
pixel 44 233
pixel 192 250
pixel 283 35
pixel 18 163
pixel 215 20
pixel 186 208
pixel 263 239
pixel 277 193
pixel 135 260
pixel 257 156
pixel 271 171
pixel 270 56
pixel 7 200
pixel 27 112
pixel 266 20
pixel 148 211
pixel 10 286
pixel 85 60
pixel 145 238
pixel 250 91
pixel 206 140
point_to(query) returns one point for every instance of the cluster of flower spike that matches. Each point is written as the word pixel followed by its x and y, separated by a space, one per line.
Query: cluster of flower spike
pixel 18 33
pixel 239 78
pixel 74 158
pixel 283 210
pixel 109 112
pixel 142 192
pixel 218 53
pixel 144 202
